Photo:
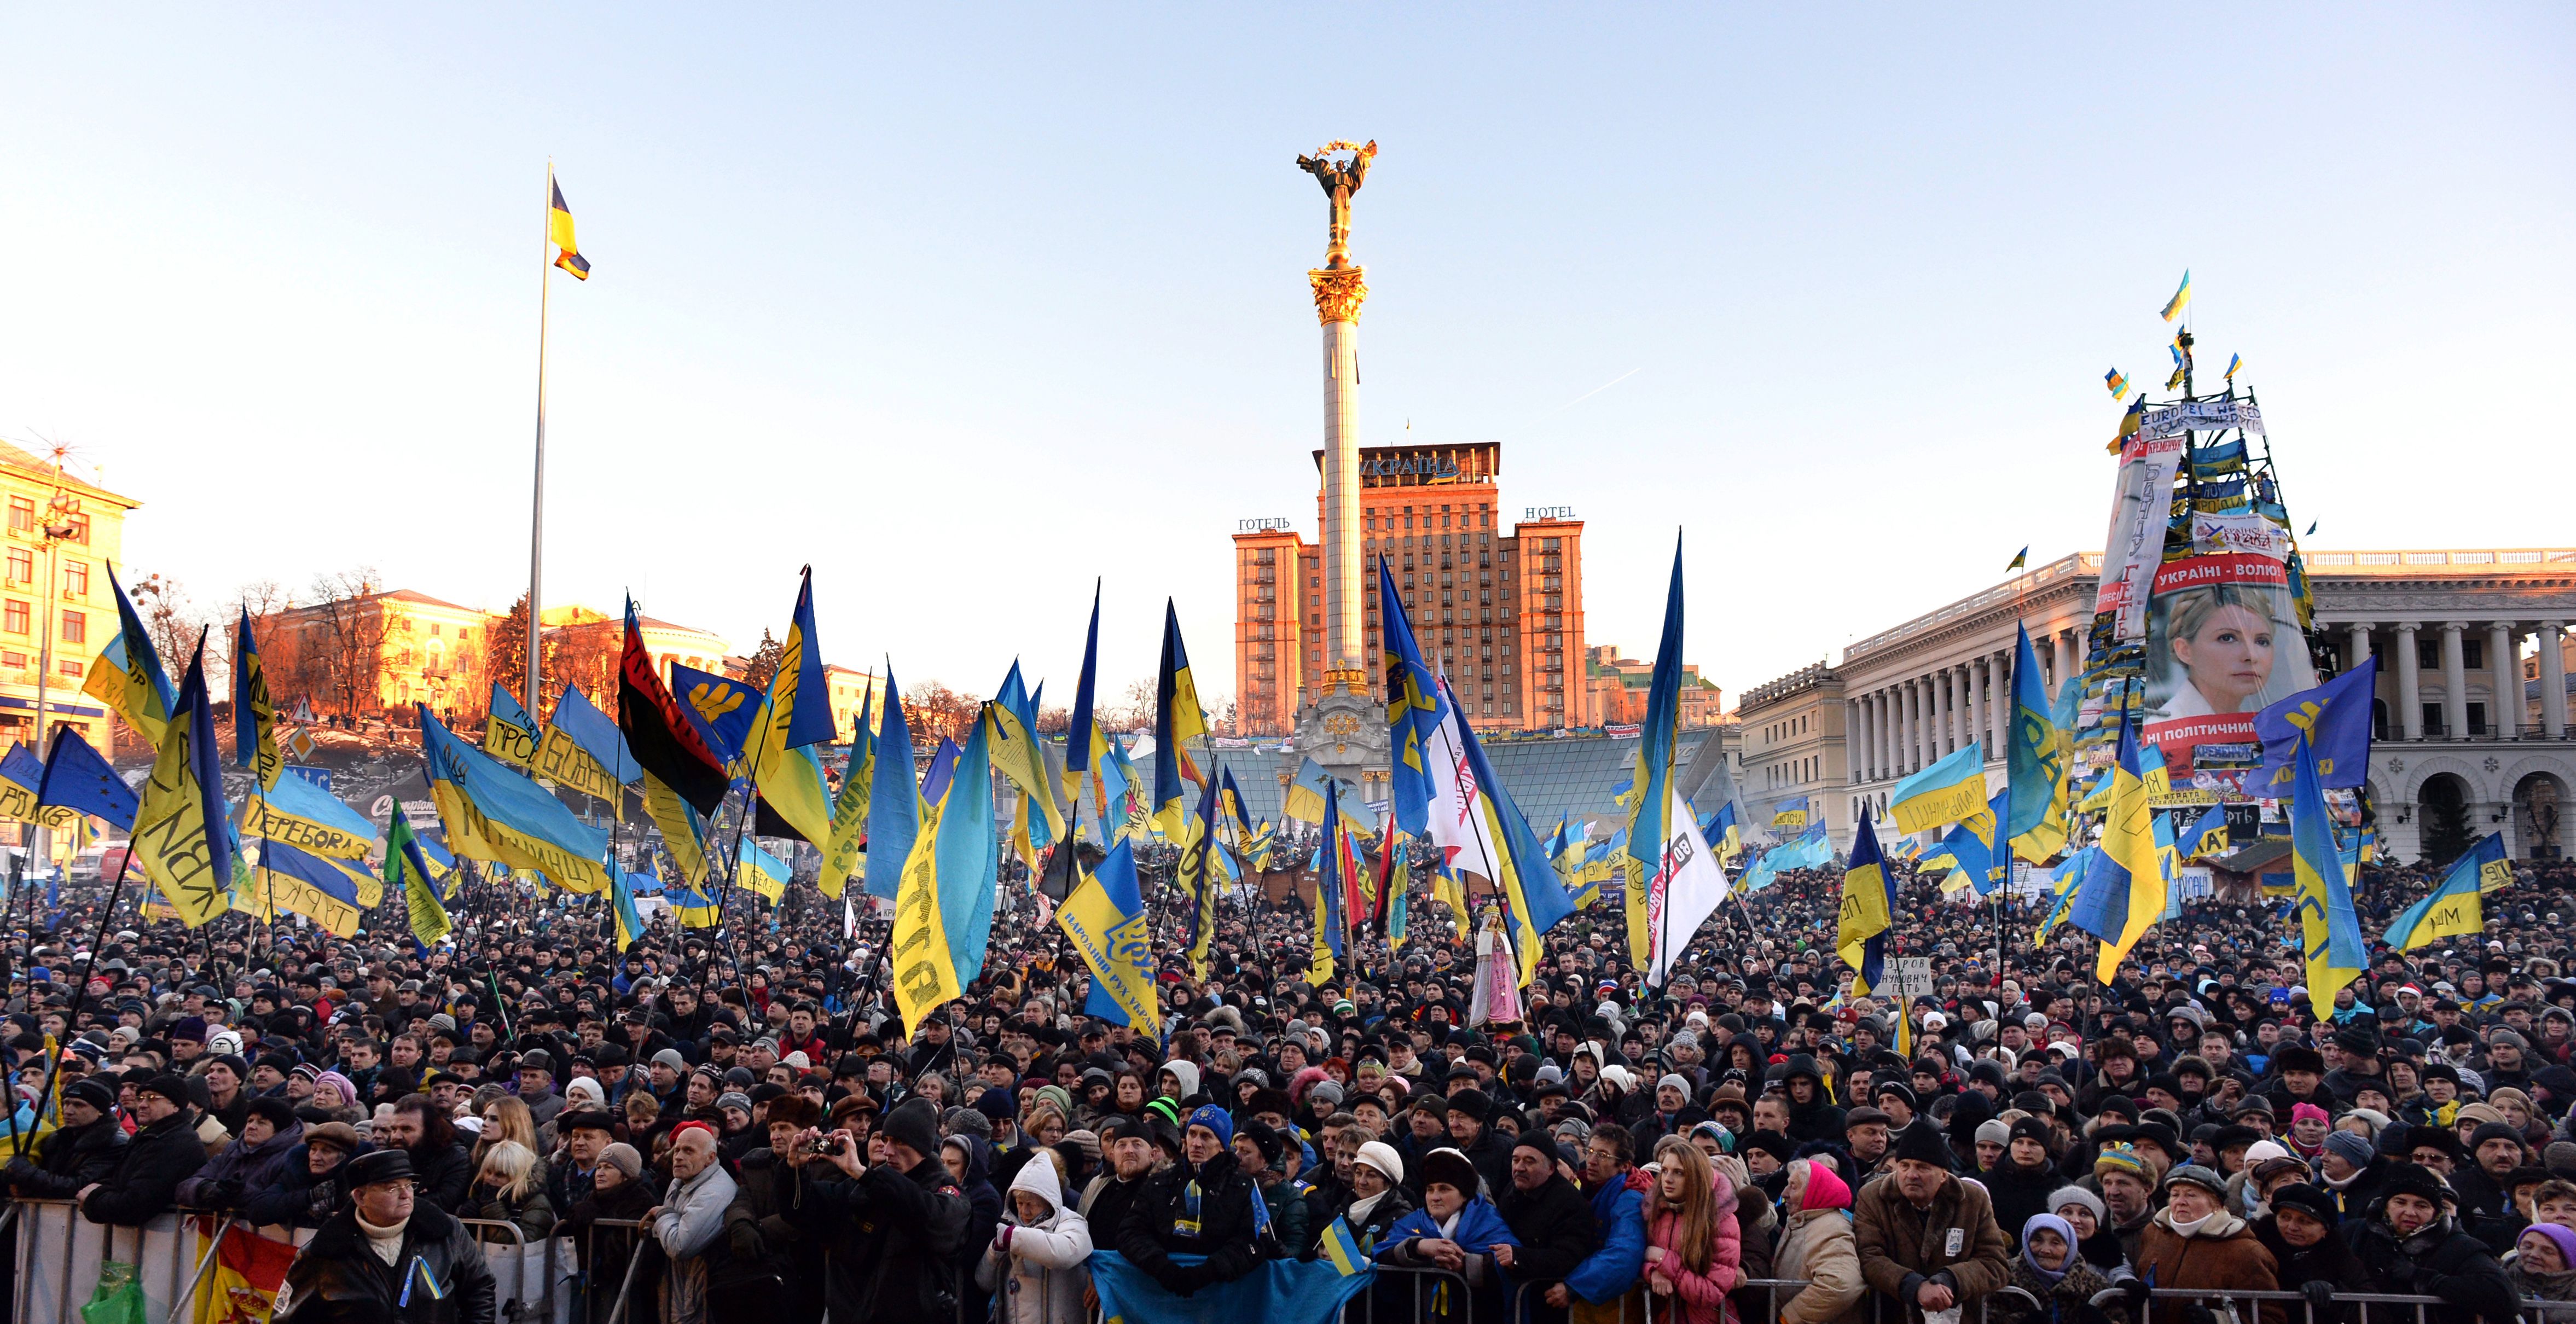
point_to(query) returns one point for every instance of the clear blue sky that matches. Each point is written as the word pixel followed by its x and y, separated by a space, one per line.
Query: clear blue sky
pixel 965 310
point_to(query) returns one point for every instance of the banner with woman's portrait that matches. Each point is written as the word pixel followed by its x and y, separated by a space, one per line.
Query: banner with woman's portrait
pixel 2223 640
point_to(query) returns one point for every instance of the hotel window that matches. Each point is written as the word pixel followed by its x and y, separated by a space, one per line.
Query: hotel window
pixel 22 515
pixel 76 579
pixel 22 566
pixel 75 627
pixel 68 667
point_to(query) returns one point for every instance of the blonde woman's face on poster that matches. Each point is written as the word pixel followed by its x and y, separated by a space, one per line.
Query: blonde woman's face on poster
pixel 2230 660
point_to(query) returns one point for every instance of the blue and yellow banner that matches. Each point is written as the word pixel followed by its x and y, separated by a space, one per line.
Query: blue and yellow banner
pixel 491 813
pixel 797 713
pixel 181 831
pixel 407 868
pixel 1945 793
pixel 1105 917
pixel 1650 820
pixel 128 676
pixel 841 855
pixel 254 716
pixel 2456 908
pixel 2124 890
pixel 1868 908
pixel 509 733
pixel 1178 718
pixel 763 872
pixel 309 818
pixel 2330 932
pixel 895 811
pixel 2035 763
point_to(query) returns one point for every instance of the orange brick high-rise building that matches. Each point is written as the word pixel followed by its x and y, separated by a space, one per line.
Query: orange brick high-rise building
pixel 1499 613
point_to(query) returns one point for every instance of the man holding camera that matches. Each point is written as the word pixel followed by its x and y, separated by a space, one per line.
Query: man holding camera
pixel 890 1222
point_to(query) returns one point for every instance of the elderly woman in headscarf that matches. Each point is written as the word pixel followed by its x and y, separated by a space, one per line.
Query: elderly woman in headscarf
pixel 2061 1286
pixel 2544 1264
pixel 271 1142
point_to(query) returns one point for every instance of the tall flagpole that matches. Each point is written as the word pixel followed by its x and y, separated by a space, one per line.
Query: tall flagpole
pixel 537 501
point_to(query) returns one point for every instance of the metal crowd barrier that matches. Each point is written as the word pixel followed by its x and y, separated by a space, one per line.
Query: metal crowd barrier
pixel 1415 1287
pixel 2529 1309
pixel 60 1253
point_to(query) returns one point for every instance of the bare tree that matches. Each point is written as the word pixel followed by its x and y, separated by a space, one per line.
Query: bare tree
pixel 344 632
pixel 936 712
pixel 1055 720
pixel 1136 710
pixel 172 620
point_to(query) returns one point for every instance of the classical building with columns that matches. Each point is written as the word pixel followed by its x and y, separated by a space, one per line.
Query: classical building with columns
pixel 1795 749
pixel 2472 737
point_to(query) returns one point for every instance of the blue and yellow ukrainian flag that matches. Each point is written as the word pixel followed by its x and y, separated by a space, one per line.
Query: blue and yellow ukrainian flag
pixel 1341 1250
pixel 895 809
pixel 2066 879
pixel 2124 888
pixel 1019 757
pixel 559 230
pixel 1515 861
pixel 1868 908
pixel 797 713
pixel 763 872
pixel 1305 799
pixel 2207 836
pixel 841 858
pixel 1945 793
pixel 509 733
pixel 2181 299
pixel 1177 720
pixel 128 676
pixel 1650 819
pixel 2330 932
pixel 694 907
pixel 492 813
pixel 2456 908
pixel 1196 884
pixel 310 885
pixel 2118 382
pixel 2035 764
pixel 407 868
pixel 181 832
pixel 944 908
pixel 630 920
pixel 2234 362
pixel 1332 886
pixel 254 716
pixel 1412 710
pixel 1084 741
pixel 1105 918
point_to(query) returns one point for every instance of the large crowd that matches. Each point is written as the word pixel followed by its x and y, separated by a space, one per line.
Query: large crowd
pixel 1747 1142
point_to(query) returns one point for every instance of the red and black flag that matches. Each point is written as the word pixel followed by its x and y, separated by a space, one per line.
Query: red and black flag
pixel 661 737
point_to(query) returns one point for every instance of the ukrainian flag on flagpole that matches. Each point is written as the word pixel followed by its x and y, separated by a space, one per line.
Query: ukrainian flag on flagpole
pixel 2330 932
pixel 763 872
pixel 1178 718
pixel 2207 836
pixel 1947 792
pixel 841 858
pixel 1105 917
pixel 797 713
pixel 2065 879
pixel 492 813
pixel 509 733
pixel 1650 820
pixel 559 230
pixel 2455 908
pixel 895 810
pixel 2124 888
pixel 1412 710
pixel 947 879
pixel 1084 740
pixel 2034 764
pixel 1868 907
pixel 1018 757
pixel 181 831
pixel 128 676
pixel 254 716
pixel 2181 299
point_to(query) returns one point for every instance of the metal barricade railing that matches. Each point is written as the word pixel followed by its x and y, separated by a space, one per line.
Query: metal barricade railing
pixel 636 1241
pixel 512 1298
pixel 59 1254
pixel 2394 1306
pixel 1403 1294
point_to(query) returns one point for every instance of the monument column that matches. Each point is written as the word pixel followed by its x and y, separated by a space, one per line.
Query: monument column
pixel 1340 286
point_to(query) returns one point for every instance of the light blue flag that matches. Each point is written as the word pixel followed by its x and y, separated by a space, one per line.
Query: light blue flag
pixel 1413 703
pixel 493 813
pixel 1945 793
pixel 2207 836
pixel 2329 930
pixel 2035 762
pixel 969 855
pixel 2457 907
pixel 894 802
pixel 2335 718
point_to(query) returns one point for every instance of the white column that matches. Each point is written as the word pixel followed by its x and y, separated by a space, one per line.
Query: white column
pixel 2455 682
pixel 2553 680
pixel 1946 731
pixel 1877 734
pixel 1891 723
pixel 2062 656
pixel 1343 592
pixel 2357 645
pixel 2504 708
pixel 2410 684
pixel 1998 711
pixel 1912 754
pixel 1980 677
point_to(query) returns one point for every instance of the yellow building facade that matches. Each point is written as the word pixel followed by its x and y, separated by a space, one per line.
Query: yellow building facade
pixel 61 535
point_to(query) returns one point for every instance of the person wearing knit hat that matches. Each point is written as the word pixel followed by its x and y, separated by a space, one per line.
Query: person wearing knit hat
pixel 1992 1135
pixel 1201 1205
pixel 623 1158
pixel 1383 1157
pixel 2544 1263
pixel 914 1125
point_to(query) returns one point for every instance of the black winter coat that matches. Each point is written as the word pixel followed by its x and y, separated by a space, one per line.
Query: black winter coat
pixel 2329 1261
pixel 146 1180
pixel 1154 1231
pixel 2019 1193
pixel 892 1237
pixel 1492 1160
pixel 2439 1261
pixel 445 1175
pixel 300 1199
pixel 68 1160
pixel 1555 1227
pixel 337 1279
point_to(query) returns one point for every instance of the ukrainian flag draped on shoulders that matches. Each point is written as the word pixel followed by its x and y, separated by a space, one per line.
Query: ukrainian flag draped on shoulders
pixel 1650 825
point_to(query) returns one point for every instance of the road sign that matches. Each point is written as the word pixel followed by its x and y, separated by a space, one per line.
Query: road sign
pixel 301 743
pixel 318 776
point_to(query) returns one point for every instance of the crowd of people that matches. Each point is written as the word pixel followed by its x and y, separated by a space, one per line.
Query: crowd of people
pixel 1749 1142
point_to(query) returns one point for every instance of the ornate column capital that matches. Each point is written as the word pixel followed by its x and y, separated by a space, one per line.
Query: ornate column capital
pixel 1338 294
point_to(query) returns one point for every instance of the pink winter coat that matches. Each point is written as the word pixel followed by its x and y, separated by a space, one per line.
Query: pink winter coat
pixel 1703 1295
